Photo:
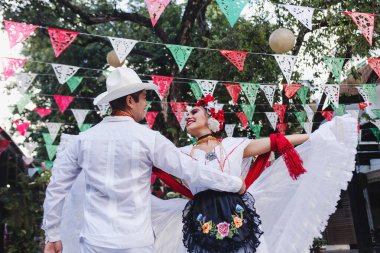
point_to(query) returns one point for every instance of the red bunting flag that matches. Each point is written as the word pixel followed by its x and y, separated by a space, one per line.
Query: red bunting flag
pixel 18 32
pixel 11 65
pixel 150 117
pixel 63 101
pixel 328 115
pixel 291 89
pixel 243 119
pixel 156 8
pixel 375 65
pixel 280 110
pixel 22 127
pixel 61 39
pixel 163 82
pixel 234 90
pixel 43 112
pixel 4 145
pixel 237 58
pixel 364 105
pixel 365 23
pixel 178 108
pixel 281 127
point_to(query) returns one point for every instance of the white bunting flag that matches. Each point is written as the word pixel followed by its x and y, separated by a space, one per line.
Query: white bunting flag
pixel 272 117
pixel 30 147
pixel 32 171
pixel 207 86
pixel 363 92
pixel 308 126
pixel 122 47
pixel 269 92
pixel 80 115
pixel 332 93
pixel 53 129
pixel 183 121
pixel 103 108
pixel 286 64
pixel 302 14
pixel 229 128
pixel 24 80
pixel 309 112
pixel 64 72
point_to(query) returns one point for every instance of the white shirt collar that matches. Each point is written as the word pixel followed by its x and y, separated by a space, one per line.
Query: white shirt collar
pixel 117 118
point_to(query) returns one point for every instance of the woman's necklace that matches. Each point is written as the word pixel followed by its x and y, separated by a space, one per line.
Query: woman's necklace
pixel 209 156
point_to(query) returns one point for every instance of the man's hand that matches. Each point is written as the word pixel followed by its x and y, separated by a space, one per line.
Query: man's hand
pixel 53 247
pixel 243 188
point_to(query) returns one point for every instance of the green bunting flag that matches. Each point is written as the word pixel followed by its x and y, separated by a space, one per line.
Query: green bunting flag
pixel 51 150
pixel 370 89
pixel 250 90
pixel 232 9
pixel 85 126
pixel 256 128
pixel 301 117
pixel 335 65
pixel 248 110
pixel 47 138
pixel 23 102
pixel 180 54
pixel 74 82
pixel 49 164
pixel 302 94
pixel 376 133
pixel 376 112
pixel 196 90
pixel 339 111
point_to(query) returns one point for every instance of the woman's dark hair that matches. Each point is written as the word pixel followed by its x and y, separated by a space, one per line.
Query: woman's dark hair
pixel 121 104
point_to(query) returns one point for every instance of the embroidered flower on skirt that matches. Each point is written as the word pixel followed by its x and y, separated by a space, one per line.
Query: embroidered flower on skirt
pixel 221 222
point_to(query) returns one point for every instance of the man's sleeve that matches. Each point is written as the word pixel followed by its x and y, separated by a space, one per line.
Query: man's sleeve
pixel 64 173
pixel 167 157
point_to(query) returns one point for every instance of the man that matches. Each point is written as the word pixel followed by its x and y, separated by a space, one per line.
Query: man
pixel 116 157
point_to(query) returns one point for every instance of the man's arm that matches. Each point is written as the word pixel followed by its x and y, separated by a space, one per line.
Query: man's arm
pixel 169 158
pixel 64 173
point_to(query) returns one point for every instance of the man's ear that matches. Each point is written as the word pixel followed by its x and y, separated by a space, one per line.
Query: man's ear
pixel 128 101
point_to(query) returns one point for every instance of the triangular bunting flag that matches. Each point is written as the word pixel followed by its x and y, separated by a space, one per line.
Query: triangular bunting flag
pixel 61 39
pixel 234 91
pixel 156 8
pixel 150 117
pixel 301 117
pixel 103 108
pixel 17 32
pixel 30 147
pixel 80 115
pixel 243 119
pixel 249 110
pixel 10 66
pixel 335 65
pixel 63 102
pixel 339 111
pixel 178 108
pixel 237 58
pixel 53 129
pixel 256 129
pixel 291 89
pixel 269 92
pixel 196 90
pixel 24 101
pixel 308 126
pixel 74 82
pixel 286 64
pixel 180 54
pixel 281 127
pixel 328 115
pixel 368 92
pixel 85 127
pixel 64 72
pixel 332 93
pixel 232 9
pixel 309 113
pixel 21 127
pixel 207 86
pixel 272 117
pixel 163 82
pixel 47 138
pixel 4 145
pixel 51 150
pixel 376 112
pixel 376 123
pixel 376 133
pixel 229 128
pixel 32 171
pixel 183 121
pixel 48 164
pixel 302 14
pixel 375 65
pixel 354 113
pixel 302 94
pixel 24 81
pixel 280 110
pixel 250 90
pixel 362 106
pixel 365 23
pixel 122 47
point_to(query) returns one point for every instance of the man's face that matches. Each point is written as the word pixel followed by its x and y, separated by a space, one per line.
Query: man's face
pixel 138 108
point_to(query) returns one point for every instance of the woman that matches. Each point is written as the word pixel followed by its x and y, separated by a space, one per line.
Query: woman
pixel 224 222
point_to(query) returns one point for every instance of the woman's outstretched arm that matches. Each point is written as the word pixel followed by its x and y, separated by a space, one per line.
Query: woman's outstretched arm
pixel 262 146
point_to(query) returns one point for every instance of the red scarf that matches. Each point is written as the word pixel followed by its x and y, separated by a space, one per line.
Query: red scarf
pixel 278 144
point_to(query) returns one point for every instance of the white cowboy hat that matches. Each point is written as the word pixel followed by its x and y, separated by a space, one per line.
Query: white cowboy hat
pixel 121 82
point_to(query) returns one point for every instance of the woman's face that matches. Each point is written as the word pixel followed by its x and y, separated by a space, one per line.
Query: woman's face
pixel 197 119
